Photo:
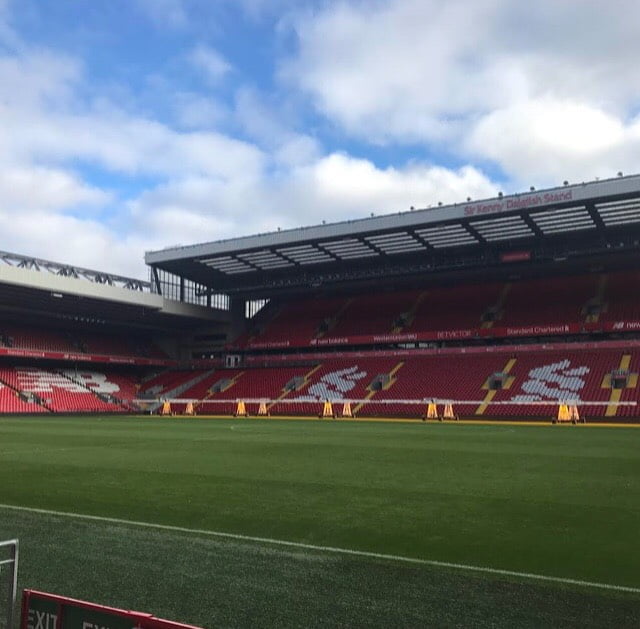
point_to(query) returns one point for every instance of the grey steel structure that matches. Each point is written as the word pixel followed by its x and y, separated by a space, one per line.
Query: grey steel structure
pixel 588 223
pixel 8 565
pixel 68 270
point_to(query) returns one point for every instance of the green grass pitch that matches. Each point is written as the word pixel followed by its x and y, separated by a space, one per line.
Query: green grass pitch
pixel 559 501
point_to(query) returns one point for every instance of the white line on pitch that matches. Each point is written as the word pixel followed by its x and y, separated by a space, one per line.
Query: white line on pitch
pixel 28 450
pixel 327 549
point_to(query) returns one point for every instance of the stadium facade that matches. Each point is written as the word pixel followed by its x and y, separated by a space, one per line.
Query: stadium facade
pixel 507 306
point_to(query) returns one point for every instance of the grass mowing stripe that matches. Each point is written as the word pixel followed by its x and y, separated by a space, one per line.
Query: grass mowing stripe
pixel 329 549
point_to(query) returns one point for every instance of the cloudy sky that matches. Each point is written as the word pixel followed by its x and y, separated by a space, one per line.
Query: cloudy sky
pixel 129 125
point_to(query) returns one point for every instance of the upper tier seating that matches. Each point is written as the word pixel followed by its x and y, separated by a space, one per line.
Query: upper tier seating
pixel 454 308
pixel 21 337
pixel 621 297
pixel 373 314
pixel 35 338
pixel 551 301
pixel 298 322
pixel 94 343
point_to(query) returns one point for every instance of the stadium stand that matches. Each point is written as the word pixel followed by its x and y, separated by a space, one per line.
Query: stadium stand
pixel 17 336
pixel 11 402
pixel 548 301
pixel 20 337
pixel 94 343
pixel 296 323
pixel 620 297
pixel 493 307
pixel 508 306
pixel 69 390
pixel 435 376
pixel 452 308
pixel 163 383
pixel 488 381
pixel 568 375
pixel 243 385
pixel 373 314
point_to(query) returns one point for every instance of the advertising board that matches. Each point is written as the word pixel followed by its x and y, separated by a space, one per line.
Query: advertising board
pixel 41 610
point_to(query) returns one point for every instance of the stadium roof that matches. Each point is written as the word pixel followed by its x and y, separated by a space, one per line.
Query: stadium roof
pixel 35 287
pixel 421 239
pixel 19 261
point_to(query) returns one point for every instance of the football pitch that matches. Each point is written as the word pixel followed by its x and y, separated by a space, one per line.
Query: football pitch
pixel 270 523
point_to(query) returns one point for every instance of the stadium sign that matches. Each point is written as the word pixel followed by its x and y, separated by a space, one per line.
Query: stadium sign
pixel 522 202
pixel 49 611
pixel 87 358
pixel 556 329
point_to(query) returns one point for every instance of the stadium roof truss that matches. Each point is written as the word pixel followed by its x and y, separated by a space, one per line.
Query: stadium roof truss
pixel 66 270
pixel 37 288
pixel 589 214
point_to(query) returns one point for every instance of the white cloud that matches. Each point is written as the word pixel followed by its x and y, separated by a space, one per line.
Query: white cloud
pixel 333 187
pixel 556 140
pixel 46 208
pixel 45 189
pixel 69 239
pixel 393 70
pixel 187 186
pixel 269 125
pixel 210 62
pixel 124 143
pixel 471 73
pixel 342 186
pixel 38 79
pixel 165 13
pixel 194 111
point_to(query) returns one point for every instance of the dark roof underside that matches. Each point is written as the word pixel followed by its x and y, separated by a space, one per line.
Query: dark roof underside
pixel 598 228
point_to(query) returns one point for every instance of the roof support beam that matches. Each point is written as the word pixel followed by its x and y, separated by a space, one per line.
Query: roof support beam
pixel 531 224
pixel 595 215
pixel 156 280
pixel 475 233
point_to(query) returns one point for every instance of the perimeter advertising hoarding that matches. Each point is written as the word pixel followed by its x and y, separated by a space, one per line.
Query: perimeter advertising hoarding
pixel 48 611
pixel 87 358
pixel 554 329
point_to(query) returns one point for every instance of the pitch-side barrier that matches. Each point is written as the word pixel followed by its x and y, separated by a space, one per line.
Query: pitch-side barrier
pixel 8 582
pixel 419 401
pixel 41 610
pixel 563 410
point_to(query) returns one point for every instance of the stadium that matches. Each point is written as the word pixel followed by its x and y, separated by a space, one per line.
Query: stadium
pixel 426 418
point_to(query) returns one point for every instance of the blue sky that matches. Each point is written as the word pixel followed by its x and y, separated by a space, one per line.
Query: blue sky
pixel 129 125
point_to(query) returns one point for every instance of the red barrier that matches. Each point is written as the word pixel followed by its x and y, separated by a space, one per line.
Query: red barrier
pixel 553 329
pixel 87 358
pixel 41 610
pixel 441 351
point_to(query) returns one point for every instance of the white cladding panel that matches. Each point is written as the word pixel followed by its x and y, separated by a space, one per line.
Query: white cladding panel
pixel 529 201
pixel 48 282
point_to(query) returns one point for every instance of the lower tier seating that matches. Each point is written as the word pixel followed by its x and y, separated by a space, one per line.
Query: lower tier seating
pixel 67 390
pixel 11 402
pixel 529 383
